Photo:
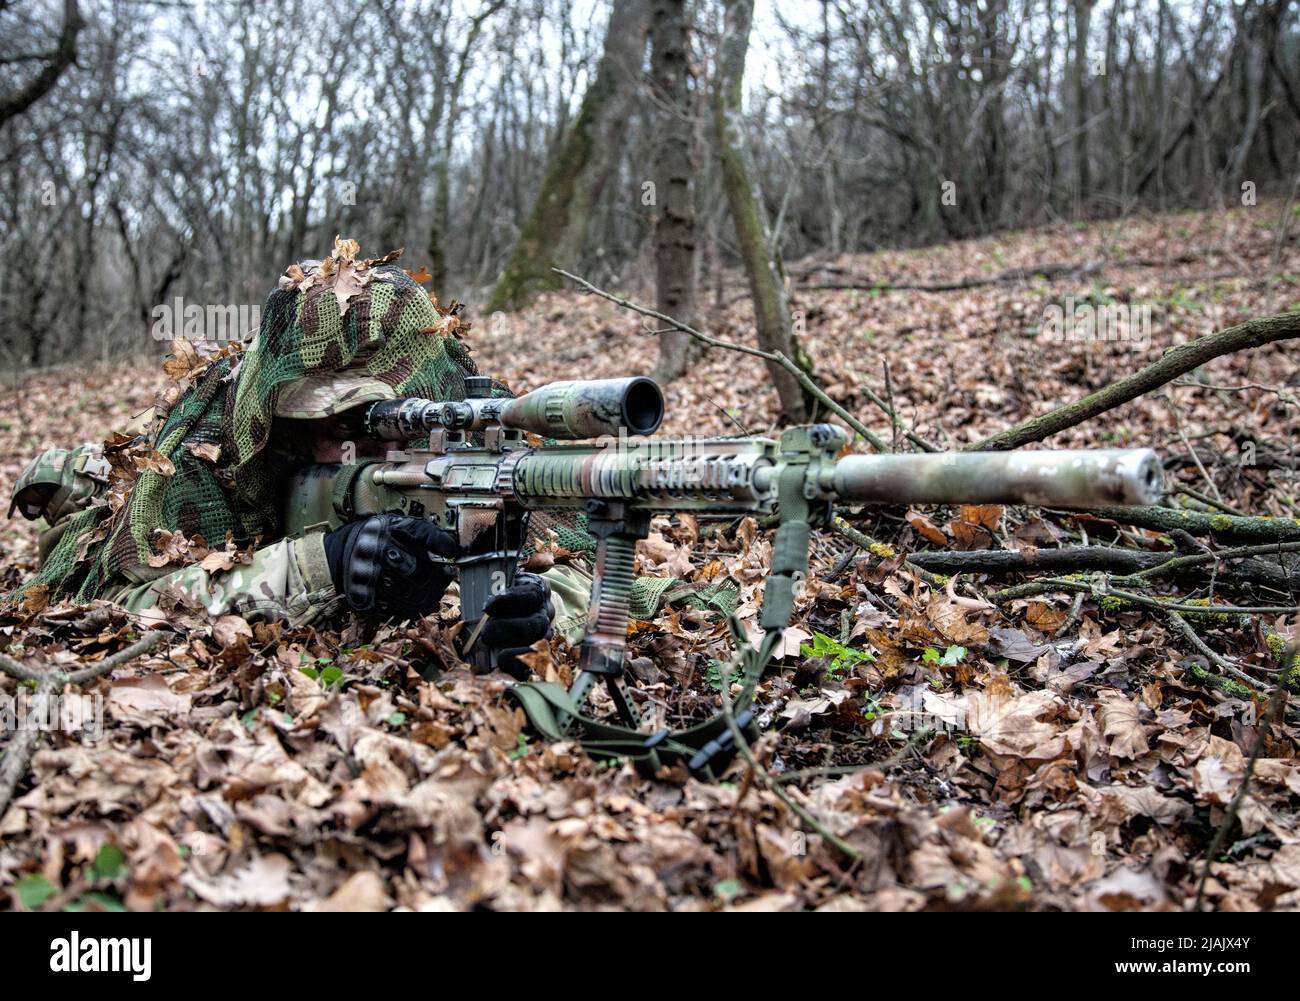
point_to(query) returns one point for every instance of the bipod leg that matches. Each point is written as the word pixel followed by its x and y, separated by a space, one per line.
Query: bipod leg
pixel 616 529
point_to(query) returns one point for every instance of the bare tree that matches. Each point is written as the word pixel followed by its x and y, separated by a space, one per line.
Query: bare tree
pixel 674 172
pixel 762 262
pixel 557 224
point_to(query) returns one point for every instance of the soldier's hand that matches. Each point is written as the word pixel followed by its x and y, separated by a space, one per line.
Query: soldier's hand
pixel 390 566
pixel 517 618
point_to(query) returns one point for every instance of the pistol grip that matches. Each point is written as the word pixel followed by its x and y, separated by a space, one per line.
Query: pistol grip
pixel 482 576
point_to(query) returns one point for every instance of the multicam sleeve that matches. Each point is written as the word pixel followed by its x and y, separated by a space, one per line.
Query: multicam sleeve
pixel 288 580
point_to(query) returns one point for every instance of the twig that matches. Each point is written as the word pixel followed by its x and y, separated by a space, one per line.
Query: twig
pixel 1208 501
pixel 889 399
pixel 1071 620
pixel 757 769
pixel 798 373
pixel 1178 427
pixel 1270 713
pixel 18 755
pixel 864 541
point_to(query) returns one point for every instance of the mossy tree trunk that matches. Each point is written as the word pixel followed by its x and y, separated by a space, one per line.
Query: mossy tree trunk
pixel 762 262
pixel 556 227
pixel 674 178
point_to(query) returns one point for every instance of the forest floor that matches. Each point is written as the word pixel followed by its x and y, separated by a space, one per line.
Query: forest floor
pixel 1068 759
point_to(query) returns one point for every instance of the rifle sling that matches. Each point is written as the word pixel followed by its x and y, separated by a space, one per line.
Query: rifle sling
pixel 706 748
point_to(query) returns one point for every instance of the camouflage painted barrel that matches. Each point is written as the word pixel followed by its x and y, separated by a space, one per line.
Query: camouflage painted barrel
pixel 1065 478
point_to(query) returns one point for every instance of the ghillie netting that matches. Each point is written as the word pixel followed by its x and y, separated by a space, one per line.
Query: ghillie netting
pixel 206 469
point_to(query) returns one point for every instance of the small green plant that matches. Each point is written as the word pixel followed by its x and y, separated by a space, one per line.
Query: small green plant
pixel 841 657
pixel 326 672
pixel 521 748
pixel 33 890
pixel 949 658
pixel 110 863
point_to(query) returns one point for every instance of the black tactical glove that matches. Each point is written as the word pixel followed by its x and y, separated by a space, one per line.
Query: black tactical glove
pixel 390 566
pixel 517 618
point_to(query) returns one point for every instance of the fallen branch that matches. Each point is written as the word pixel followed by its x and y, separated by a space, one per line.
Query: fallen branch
pixel 1011 275
pixel 1078 559
pixel 1103 586
pixel 1175 362
pixel 18 755
pixel 1217 526
pixel 1215 658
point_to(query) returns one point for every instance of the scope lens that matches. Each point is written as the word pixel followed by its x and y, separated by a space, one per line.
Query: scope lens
pixel 643 406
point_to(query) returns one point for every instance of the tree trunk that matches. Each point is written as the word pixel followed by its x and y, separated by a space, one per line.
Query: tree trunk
pixel 675 259
pixel 771 312
pixel 557 223
pixel 1082 23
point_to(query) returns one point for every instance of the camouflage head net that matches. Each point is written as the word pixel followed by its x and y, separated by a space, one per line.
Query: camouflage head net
pixel 340 314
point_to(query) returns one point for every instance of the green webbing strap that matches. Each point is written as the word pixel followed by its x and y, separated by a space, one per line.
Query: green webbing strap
pixel 545 703
pixel 341 493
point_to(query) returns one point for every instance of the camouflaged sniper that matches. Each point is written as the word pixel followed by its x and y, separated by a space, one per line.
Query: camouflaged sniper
pixel 313 357
pixel 390 330
pixel 380 345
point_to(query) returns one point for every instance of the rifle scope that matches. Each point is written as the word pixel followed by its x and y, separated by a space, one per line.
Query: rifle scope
pixel 569 410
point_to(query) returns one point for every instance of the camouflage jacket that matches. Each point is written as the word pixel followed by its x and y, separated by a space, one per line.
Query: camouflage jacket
pixel 288 579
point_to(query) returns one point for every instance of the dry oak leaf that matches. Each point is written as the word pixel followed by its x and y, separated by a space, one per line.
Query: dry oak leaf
pixel 1120 723
pixel 168 547
pixel 149 693
pixel 229 630
pixel 35 599
pixel 362 891
pixel 1011 724
pixel 184 361
pixel 975 526
pixel 927 528
pixel 153 461
pixel 261 883
pixel 348 283
pixel 292 279
pixel 1044 617
pixel 205 451
pixel 949 618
